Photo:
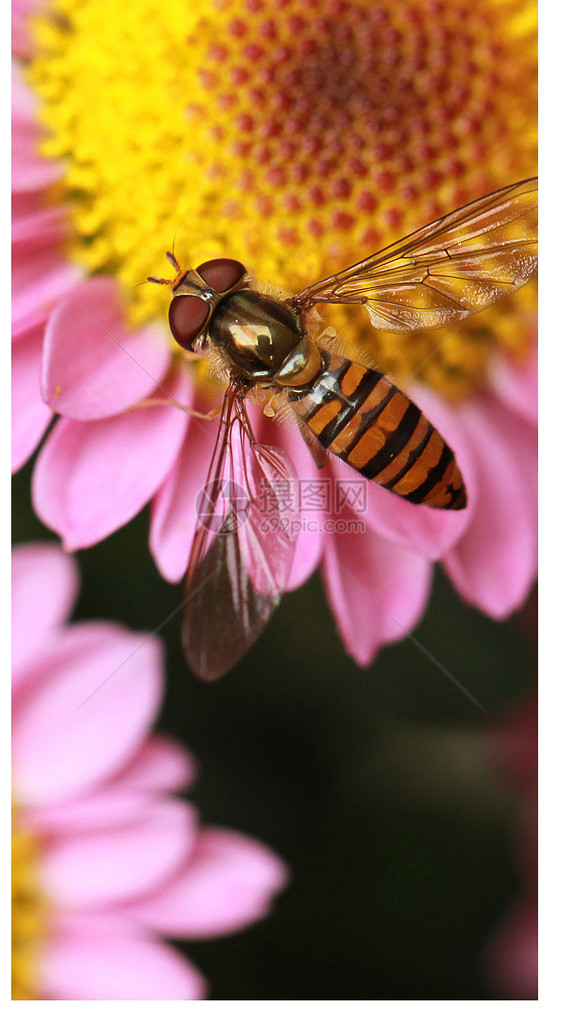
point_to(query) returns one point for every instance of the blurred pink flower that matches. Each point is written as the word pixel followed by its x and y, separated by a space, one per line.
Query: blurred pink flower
pixel 106 858
pixel 74 355
pixel 512 954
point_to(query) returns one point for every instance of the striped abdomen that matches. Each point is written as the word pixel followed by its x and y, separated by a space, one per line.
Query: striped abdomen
pixel 360 416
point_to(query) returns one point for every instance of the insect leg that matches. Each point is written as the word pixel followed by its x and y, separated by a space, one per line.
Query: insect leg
pixel 158 281
pixel 172 259
pixel 154 402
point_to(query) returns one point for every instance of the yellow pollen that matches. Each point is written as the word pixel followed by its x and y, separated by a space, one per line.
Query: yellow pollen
pixel 29 914
pixel 296 136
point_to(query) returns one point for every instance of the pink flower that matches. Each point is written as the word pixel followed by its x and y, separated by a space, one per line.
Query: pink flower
pixel 512 954
pixel 106 857
pixel 104 459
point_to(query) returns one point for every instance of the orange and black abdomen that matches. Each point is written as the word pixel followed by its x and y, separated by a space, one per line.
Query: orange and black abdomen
pixel 360 416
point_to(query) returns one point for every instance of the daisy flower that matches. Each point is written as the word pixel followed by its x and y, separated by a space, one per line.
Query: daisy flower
pixel 296 136
pixel 106 858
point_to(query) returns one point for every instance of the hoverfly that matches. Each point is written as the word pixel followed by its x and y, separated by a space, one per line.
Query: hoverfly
pixel 239 565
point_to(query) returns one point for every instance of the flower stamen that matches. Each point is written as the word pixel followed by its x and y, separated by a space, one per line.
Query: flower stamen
pixel 29 914
pixel 295 136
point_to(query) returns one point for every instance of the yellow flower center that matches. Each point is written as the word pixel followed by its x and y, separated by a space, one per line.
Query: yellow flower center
pixel 29 913
pixel 294 135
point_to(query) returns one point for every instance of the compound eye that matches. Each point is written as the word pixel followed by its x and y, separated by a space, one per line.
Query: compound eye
pixel 222 273
pixel 187 316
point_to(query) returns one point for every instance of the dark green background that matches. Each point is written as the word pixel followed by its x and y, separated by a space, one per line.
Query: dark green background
pixel 376 786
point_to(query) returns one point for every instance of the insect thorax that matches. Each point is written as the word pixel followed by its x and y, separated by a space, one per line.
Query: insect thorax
pixel 254 332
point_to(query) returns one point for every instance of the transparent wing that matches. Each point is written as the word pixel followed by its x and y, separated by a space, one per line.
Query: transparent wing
pixel 243 546
pixel 446 271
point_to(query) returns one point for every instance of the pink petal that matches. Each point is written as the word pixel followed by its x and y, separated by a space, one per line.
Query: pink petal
pixel 30 415
pixel 308 550
pixel 229 883
pixel 98 868
pixel 29 170
pixel 424 530
pixel 41 271
pixel 517 385
pixel 92 477
pixel 161 765
pixel 108 808
pixel 377 590
pixel 494 565
pixel 174 510
pixel 44 587
pixel 50 223
pixel 21 329
pixel 93 365
pixel 101 964
pixel 22 44
pixel 90 704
